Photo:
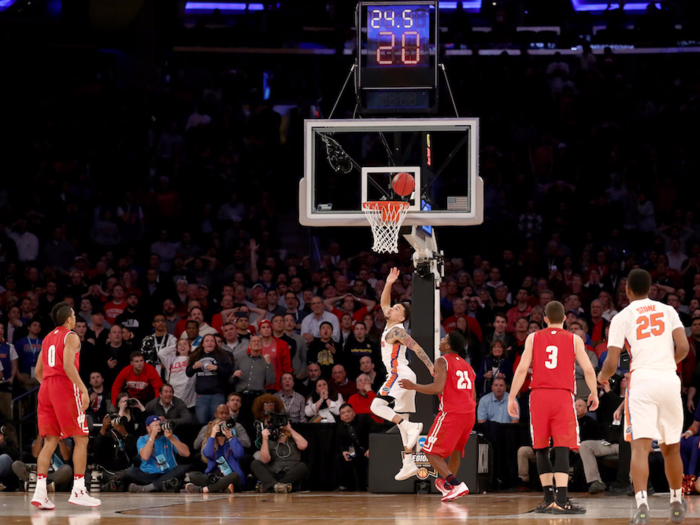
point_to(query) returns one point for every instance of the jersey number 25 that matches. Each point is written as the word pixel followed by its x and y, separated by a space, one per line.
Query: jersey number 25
pixel 650 325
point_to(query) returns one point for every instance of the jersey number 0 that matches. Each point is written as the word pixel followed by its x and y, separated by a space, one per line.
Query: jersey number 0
pixel 52 356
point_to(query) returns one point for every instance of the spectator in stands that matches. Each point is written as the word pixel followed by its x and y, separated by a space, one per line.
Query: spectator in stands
pixel 280 467
pixel 311 325
pixel 297 344
pixel 459 307
pixel 494 366
pixel 116 306
pixel 197 315
pixel 294 403
pixel 28 349
pixel 358 346
pixel 222 452
pixel 690 448
pixel 277 350
pixel 111 358
pixel 500 322
pixel 160 338
pixel 597 323
pixel 212 368
pixel 98 333
pixel 313 373
pixel 100 398
pixel 361 401
pixel 341 384
pixel 323 349
pixel 139 378
pixel 132 317
pixel 9 360
pixel 252 373
pixel 494 406
pixel 174 361
pixel 9 453
pixel 522 308
pixel 353 439
pixel 323 404
pixel 169 408
pixel 159 471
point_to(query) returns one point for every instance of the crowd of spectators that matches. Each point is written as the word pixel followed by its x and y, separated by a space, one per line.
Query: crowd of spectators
pixel 149 207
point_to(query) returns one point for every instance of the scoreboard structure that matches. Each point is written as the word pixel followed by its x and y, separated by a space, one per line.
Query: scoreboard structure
pixel 398 57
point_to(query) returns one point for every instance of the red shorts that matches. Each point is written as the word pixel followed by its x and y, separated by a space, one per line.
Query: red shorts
pixel 449 432
pixel 59 412
pixel 553 415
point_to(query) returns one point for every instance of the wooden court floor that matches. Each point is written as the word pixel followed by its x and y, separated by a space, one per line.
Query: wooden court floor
pixel 332 507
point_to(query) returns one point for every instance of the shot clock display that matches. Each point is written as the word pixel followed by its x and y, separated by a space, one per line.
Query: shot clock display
pixel 397 45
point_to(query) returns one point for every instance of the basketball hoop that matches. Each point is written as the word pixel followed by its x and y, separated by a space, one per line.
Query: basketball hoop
pixel 385 218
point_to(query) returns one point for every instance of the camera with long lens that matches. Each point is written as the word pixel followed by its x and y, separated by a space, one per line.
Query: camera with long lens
pixel 167 426
pixel 116 419
pixel 132 403
pixel 275 424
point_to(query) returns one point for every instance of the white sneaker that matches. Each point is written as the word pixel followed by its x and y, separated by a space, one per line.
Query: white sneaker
pixel 408 470
pixel 456 492
pixel 42 502
pixel 82 498
pixel 412 434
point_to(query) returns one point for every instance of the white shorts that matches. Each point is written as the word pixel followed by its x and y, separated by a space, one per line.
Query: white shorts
pixel 654 408
pixel 404 400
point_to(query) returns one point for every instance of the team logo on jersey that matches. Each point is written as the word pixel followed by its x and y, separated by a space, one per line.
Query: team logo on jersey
pixel 386 390
pixel 425 469
pixel 628 430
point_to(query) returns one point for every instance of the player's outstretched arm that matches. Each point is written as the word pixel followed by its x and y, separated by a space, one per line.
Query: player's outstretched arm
pixel 525 362
pixel 398 333
pixel 610 364
pixel 436 387
pixel 588 372
pixel 70 349
pixel 386 293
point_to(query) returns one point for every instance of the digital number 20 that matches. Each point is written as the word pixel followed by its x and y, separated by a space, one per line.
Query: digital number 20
pixel 650 325
pixel 463 383
pixel 410 53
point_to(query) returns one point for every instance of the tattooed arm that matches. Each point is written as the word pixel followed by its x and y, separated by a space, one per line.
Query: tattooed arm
pixel 399 334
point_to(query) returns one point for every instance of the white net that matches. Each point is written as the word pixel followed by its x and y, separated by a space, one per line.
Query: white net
pixel 385 218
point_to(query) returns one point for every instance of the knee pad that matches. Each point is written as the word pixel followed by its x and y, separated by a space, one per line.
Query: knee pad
pixel 381 408
pixel 561 460
pixel 544 465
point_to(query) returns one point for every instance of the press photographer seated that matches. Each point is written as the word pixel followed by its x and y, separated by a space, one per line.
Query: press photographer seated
pixel 280 468
pixel 221 453
pixel 133 412
pixel 264 407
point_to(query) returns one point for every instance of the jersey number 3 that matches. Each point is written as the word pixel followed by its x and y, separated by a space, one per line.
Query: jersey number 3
pixel 552 353
pixel 463 383
pixel 650 325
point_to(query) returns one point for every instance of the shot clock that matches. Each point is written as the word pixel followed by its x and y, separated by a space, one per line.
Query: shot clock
pixel 397 45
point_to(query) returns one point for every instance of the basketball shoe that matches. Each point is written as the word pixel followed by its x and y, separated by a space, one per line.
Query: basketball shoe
pixel 82 498
pixel 440 485
pixel 408 470
pixel 456 492
pixel 678 509
pixel 42 502
pixel 413 433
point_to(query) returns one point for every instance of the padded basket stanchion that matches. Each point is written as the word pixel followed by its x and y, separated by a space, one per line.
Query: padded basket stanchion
pixel 385 218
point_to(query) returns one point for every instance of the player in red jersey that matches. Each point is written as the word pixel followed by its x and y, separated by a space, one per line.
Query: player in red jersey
pixel 63 399
pixel 552 354
pixel 454 383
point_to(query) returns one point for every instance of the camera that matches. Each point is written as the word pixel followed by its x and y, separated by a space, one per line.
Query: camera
pixel 132 403
pixel 275 424
pixel 118 420
pixel 167 426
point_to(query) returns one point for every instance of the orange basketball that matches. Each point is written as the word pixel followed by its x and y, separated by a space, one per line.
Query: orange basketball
pixel 403 184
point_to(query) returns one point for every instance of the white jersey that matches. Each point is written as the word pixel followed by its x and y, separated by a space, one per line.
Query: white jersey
pixel 645 328
pixel 393 355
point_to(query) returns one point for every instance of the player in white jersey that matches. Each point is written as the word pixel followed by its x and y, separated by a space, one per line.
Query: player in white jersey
pixel 653 410
pixel 394 343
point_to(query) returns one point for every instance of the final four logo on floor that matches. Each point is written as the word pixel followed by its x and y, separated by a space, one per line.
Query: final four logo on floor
pixel 425 469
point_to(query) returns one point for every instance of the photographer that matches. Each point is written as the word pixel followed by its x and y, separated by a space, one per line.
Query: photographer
pixel 279 468
pixel 353 439
pixel 9 452
pixel 223 412
pixel 159 471
pixel 115 447
pixel 221 452
pixel 264 407
pixel 132 410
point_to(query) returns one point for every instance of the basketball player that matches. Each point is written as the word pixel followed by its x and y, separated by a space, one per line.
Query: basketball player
pixel 654 408
pixel 552 354
pixel 454 383
pixel 63 399
pixel 394 343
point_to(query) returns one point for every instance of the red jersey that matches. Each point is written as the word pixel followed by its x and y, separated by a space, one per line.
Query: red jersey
pixel 52 352
pixel 554 359
pixel 458 395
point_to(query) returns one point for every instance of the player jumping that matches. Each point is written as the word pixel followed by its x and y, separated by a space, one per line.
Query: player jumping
pixel 395 341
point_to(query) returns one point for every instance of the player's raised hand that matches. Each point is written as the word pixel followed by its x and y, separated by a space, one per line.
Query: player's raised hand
pixel 393 275
pixel 592 401
pixel 513 409
pixel 407 384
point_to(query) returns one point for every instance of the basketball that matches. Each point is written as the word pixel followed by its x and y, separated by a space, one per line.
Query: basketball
pixel 403 184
